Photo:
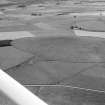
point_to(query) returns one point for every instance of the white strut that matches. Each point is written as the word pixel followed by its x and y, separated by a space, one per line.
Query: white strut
pixel 17 92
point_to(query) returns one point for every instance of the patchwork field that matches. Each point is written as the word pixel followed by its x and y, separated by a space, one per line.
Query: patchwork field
pixel 50 59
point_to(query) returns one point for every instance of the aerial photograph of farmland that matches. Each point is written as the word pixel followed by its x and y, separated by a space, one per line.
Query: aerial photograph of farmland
pixel 54 50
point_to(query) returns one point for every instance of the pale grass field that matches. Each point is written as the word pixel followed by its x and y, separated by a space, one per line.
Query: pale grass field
pixel 15 35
